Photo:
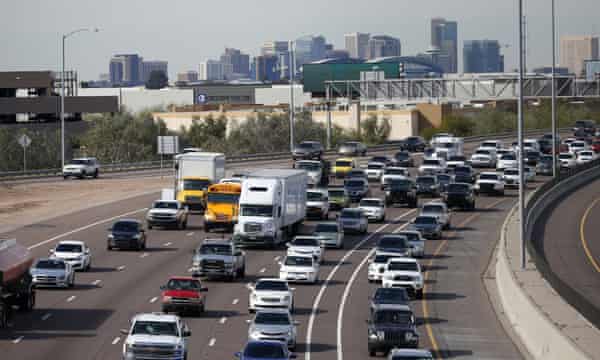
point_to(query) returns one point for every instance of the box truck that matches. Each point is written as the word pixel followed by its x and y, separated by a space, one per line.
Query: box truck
pixel 272 206
pixel 16 288
pixel 194 173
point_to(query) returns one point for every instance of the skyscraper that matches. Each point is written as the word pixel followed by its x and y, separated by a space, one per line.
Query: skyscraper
pixel 211 70
pixel 274 47
pixel 482 56
pixel 383 46
pixel 309 48
pixel 125 69
pixel 239 62
pixel 575 50
pixel 357 44
pixel 444 35
pixel 149 66
pixel 265 68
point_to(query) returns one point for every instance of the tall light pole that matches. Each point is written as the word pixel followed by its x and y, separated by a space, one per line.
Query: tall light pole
pixel 520 141
pixel 292 69
pixel 62 92
pixel 554 125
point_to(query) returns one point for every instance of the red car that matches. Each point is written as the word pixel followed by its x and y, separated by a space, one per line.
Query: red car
pixel 182 295
pixel 596 146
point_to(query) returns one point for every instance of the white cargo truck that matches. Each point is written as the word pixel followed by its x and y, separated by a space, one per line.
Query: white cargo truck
pixel 272 206
pixel 194 173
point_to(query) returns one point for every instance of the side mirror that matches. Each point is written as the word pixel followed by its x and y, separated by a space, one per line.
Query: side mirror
pixel 187 333
pixel 142 230
pixel 162 287
pixel 124 331
pixel 280 263
pixel 248 321
pixel 296 322
pixel 293 356
pixel 204 289
pixel 87 251
pixel 238 354
pixel 292 289
pixel 51 251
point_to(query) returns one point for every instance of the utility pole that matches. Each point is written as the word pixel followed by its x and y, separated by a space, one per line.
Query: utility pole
pixel 292 69
pixel 520 139
pixel 554 125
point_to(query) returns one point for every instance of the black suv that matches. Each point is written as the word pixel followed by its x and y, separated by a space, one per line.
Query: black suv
pixel 460 195
pixel 403 159
pixel 400 191
pixel 464 174
pixel 126 234
pixel 308 150
pixel 428 185
pixel 413 143
pixel 391 326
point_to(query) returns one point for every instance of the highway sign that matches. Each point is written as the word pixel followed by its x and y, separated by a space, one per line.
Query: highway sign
pixel 168 145
pixel 24 141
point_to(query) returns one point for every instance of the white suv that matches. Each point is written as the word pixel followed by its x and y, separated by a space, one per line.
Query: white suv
pixel 406 273
pixel 270 293
pixel 82 167
pixel 154 336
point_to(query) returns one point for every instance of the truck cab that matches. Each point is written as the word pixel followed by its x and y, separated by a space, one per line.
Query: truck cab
pixel 156 336
pixel 192 192
pixel 194 173
pixel 222 206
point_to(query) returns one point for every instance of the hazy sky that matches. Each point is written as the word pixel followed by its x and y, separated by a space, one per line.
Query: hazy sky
pixel 186 32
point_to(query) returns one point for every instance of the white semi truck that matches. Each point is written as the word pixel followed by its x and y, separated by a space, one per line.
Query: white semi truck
pixel 194 173
pixel 272 206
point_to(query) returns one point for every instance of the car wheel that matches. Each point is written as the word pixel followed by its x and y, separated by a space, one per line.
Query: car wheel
pixel 72 281
pixel 149 226
pixel 108 247
pixel 96 174
pixel 419 294
pixel 65 177
pixel 372 353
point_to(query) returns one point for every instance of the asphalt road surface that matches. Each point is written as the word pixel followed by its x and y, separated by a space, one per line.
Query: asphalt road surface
pixel 455 317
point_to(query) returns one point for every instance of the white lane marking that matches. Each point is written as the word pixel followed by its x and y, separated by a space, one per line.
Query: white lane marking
pixel 121 268
pixel 17 340
pixel 190 233
pixel 235 301
pixel 116 340
pixel 223 320
pixel 85 228
pixel 46 316
pixel 277 258
pixel 96 282
pixel 212 342
pixel 190 270
pixel 168 244
pixel 153 300
pixel 340 354
pixel 71 298
pixel 144 255
pixel 316 303
pixel 249 286
pixel 262 270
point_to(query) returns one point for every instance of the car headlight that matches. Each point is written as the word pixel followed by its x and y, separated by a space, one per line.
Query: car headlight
pixel 111 236
pixel 408 336
pixel 254 297
pixel 287 298
pixel 127 347
pixel 166 298
pixel 268 226
pixel 136 236
pixel 372 334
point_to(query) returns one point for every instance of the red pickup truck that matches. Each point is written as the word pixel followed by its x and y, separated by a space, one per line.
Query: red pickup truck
pixel 183 295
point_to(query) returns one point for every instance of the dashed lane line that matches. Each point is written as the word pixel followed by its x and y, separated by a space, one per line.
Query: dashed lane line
pixel 153 300
pixel 71 298
pixel 116 340
pixel 121 268
pixel 144 255
pixel 18 340
pixel 212 342
pixel 235 301
pixel 46 316
pixel 168 244
pixel 223 320
pixel 96 282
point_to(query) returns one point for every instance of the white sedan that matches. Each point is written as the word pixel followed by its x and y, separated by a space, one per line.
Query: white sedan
pixel 270 293
pixel 306 246
pixel 76 253
pixel 373 208
pixel 567 160
pixel 299 269
pixel 586 156
pixel 490 183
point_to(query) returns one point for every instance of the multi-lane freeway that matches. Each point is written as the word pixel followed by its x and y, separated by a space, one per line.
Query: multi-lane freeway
pixel 455 318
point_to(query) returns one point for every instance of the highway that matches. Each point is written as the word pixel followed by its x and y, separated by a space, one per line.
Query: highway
pixel 570 242
pixel 455 317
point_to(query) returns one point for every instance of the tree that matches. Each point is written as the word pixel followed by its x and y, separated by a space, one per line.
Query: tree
pixel 375 132
pixel 157 80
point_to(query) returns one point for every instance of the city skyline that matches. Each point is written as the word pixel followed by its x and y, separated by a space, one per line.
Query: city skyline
pixel 185 43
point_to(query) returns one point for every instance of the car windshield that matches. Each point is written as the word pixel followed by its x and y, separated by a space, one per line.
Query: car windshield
pixel 382 259
pixel 350 214
pixel 433 209
pixel 488 177
pixel 586 153
pixel 196 185
pixel 350 144
pixel 183 284
pixel 402 156
pixel 272 318
pixel 511 172
pixel 222 198
pixel 532 154
pixel 256 210
pixel 482 152
pixel 390 295
pixel 354 183
pixel 215 249
pixel 306 242
pixel 397 184
pixel 75 248
pixel 546 159
pixel 261 350
pixel 410 357
pixel 565 156
pixel 458 188
pixel 165 205
pixel 126 226
pixel 308 166
pixel 314 196
pixel 336 193
pixel 395 172
pixel 306 145
pixel 392 242
pixel 508 157
pixel 431 162
pixel 272 285
pixel 326 228
pixel 402 266
pixel 155 328
pixel 425 180
pixel 371 203
pixel 375 166
pixel 50 264
pixel 462 170
pixel 343 163
pixel 411 236
pixel 413 140
pixel 488 144
pixel 392 317
pixel 425 220
pixel 299 261
pixel 444 178
pixel 80 162
pixel 457 158
pixel 381 159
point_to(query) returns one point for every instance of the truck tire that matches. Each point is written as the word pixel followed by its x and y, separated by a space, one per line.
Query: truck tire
pixel 185 225
pixel 27 302
pixel 4 309
pixel 96 174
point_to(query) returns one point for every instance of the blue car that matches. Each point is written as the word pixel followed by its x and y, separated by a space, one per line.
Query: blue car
pixel 265 350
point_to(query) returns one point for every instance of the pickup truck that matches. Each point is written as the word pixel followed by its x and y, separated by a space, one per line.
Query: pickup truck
pixel 219 258
pixel 156 336
pixel 167 213
pixel 183 294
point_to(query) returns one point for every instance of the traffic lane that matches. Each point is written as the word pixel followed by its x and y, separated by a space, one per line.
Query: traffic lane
pixel 354 327
pixel 563 246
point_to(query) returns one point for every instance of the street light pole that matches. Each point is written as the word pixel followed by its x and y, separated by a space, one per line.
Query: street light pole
pixel 62 92
pixel 292 69
pixel 554 125
pixel 520 141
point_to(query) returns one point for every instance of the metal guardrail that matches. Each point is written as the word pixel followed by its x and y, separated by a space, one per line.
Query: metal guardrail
pixel 538 206
pixel 156 164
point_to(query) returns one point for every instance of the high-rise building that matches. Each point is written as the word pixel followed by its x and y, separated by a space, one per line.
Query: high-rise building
pixel 125 69
pixel 149 66
pixel 337 54
pixel 236 61
pixel 482 56
pixel 274 47
pixel 265 68
pixel 383 46
pixel 444 35
pixel 575 50
pixel 211 70
pixel 188 76
pixel 309 48
pixel 357 44
pixel 592 70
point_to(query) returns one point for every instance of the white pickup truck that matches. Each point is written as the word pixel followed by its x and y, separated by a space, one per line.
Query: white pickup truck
pixel 156 336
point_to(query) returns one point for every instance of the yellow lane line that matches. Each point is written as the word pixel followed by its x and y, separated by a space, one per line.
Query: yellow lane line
pixel 428 328
pixel 586 249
